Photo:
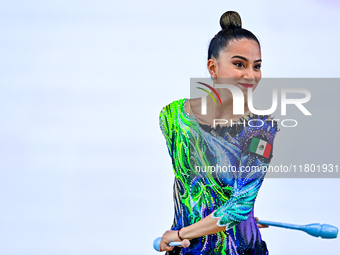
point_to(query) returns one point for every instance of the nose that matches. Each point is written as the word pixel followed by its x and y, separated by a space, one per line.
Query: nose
pixel 249 73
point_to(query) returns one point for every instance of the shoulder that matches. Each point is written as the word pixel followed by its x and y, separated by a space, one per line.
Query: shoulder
pixel 169 112
pixel 173 108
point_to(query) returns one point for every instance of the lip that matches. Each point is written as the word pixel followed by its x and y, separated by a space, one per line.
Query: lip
pixel 247 85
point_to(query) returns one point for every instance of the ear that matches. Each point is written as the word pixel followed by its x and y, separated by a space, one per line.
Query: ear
pixel 212 67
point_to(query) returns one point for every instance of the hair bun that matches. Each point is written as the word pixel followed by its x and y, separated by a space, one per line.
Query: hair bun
pixel 230 19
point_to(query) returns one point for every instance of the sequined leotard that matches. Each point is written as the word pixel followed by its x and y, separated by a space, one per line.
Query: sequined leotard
pixel 228 194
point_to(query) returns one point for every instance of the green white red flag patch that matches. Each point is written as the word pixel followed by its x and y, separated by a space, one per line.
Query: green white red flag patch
pixel 260 147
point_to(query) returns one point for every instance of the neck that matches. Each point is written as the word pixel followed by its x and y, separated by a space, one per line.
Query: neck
pixel 224 111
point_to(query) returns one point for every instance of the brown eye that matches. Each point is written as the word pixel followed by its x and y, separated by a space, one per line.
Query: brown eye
pixel 258 67
pixel 239 64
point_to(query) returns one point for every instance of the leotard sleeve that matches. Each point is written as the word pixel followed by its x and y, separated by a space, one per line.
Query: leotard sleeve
pixel 166 123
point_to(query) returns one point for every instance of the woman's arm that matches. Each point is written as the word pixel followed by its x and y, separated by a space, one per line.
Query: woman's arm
pixel 235 210
pixel 206 226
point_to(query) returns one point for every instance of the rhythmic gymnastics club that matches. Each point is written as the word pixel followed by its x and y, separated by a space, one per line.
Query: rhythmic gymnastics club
pixel 185 243
pixel 314 229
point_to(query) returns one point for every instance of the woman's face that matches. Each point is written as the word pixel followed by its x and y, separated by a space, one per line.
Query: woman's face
pixel 239 63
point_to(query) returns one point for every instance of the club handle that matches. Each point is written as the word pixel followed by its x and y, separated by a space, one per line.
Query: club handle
pixel 279 224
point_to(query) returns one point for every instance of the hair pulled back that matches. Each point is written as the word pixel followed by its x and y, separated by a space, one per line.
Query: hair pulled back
pixel 231 25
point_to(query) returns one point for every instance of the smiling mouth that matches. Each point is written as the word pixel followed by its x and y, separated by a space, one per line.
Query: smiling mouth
pixel 247 85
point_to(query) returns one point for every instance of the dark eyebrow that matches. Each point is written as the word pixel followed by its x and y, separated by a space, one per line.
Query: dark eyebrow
pixel 243 58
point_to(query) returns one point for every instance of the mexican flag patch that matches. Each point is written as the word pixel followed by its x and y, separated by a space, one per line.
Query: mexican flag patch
pixel 260 147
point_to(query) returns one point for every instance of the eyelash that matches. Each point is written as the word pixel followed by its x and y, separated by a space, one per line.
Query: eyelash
pixel 237 64
pixel 257 66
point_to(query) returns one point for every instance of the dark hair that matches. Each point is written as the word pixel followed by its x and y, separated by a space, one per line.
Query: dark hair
pixel 232 29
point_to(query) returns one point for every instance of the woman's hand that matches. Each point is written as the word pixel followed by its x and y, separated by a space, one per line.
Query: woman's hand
pixel 260 225
pixel 168 236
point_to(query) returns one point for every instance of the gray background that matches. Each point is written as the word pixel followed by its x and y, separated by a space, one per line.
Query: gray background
pixel 84 166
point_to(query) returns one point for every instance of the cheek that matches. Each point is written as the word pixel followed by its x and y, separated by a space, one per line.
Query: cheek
pixel 258 78
pixel 258 75
pixel 233 73
pixel 227 70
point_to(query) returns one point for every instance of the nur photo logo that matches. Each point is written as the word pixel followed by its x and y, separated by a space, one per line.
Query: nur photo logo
pixel 239 102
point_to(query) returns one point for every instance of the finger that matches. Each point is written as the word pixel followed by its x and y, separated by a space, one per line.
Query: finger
pixel 169 248
pixel 161 247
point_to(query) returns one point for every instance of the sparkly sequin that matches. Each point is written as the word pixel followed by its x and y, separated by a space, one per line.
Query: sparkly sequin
pixel 228 195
